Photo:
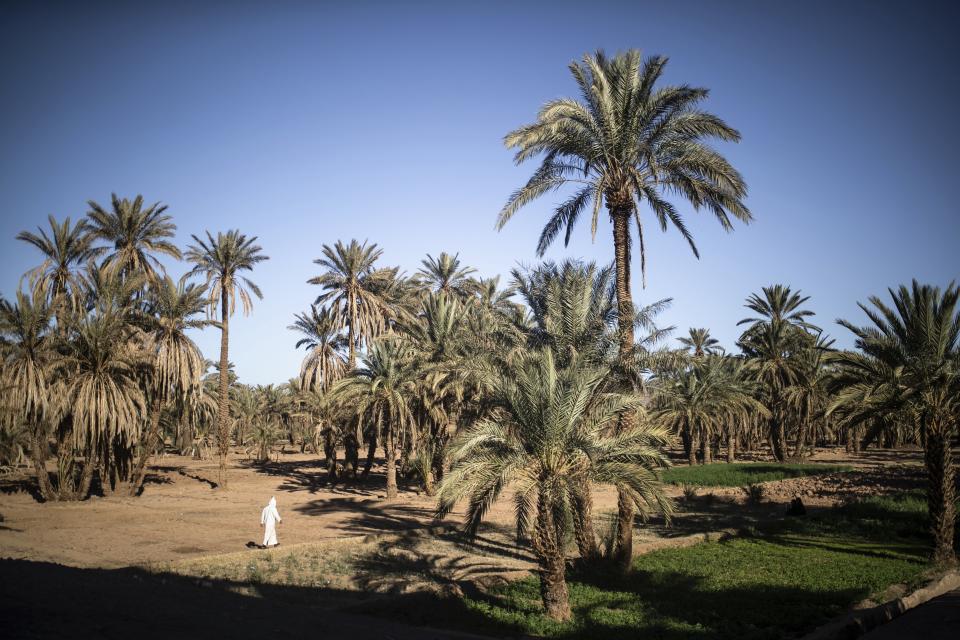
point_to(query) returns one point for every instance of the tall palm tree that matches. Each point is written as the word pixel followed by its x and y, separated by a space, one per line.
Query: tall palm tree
pixel 772 342
pixel 221 260
pixel 324 363
pixel 549 440
pixel 28 354
pixel 625 143
pixel 699 343
pixel 445 274
pixel 910 357
pixel 359 293
pixel 133 234
pixel 381 391
pixel 177 364
pixel 65 252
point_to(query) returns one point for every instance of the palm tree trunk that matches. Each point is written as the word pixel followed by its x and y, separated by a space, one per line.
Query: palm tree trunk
pixel 390 450
pixel 148 445
pixel 583 529
pixel 692 453
pixel 351 455
pixel 428 485
pixel 86 479
pixel 778 438
pixel 550 557
pixel 707 449
pixel 371 454
pixel 38 451
pixel 621 246
pixel 731 444
pixel 685 439
pixel 941 494
pixel 224 406
pixel 801 439
pixel 330 451
pixel 351 335
pixel 439 448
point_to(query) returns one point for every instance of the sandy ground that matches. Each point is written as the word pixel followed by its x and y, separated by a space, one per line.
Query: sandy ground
pixel 181 515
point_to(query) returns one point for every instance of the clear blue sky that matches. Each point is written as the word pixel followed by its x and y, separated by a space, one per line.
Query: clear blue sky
pixel 304 124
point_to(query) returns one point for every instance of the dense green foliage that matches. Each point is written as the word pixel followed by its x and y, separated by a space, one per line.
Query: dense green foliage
pixel 741 474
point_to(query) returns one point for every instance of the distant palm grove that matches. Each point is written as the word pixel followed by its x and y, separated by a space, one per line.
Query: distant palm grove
pixel 549 382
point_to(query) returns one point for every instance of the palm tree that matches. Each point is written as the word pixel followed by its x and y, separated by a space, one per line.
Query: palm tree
pixel 494 299
pixel 438 340
pixel 627 142
pixel 572 307
pixel 771 343
pixel 221 261
pixel 444 274
pixel 698 401
pixel 807 398
pixel 133 234
pixel 178 366
pixel 322 409
pixel 324 363
pixel 100 369
pixel 910 357
pixel 380 391
pixel 700 343
pixel 65 251
pixel 359 294
pixel 273 415
pixel 549 439
pixel 28 353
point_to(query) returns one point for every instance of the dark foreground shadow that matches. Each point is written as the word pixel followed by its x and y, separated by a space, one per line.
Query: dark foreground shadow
pixel 43 600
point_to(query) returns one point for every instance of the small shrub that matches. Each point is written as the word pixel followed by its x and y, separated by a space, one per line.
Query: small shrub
pixel 754 493
pixel 689 492
pixel 253 573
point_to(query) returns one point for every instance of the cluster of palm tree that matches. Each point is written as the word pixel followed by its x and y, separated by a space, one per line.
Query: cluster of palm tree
pixel 97 363
pixel 461 386
pixel 543 388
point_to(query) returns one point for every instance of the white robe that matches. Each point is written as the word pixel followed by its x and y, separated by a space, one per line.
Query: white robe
pixel 269 518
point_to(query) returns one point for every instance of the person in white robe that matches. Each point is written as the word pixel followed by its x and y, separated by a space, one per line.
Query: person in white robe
pixel 269 518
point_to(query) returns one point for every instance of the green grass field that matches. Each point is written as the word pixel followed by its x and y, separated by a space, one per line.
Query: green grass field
pixel 740 474
pixel 783 581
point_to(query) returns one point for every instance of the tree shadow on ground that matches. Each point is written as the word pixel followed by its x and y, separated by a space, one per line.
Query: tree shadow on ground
pixel 675 605
pixel 664 605
pixel 311 476
pixel 366 516
pixel 411 563
pixel 179 470
pixel 13 484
